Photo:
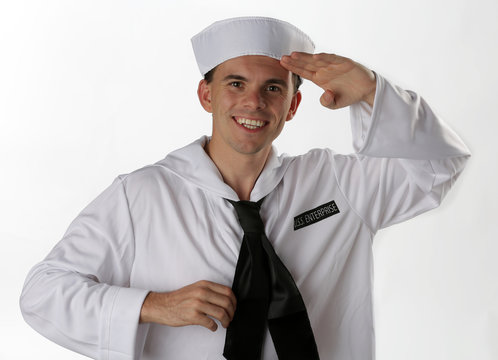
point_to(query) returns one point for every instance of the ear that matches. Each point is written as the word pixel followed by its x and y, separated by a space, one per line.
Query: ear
pixel 204 94
pixel 296 100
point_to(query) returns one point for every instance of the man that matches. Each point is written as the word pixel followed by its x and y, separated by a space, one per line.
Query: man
pixel 149 265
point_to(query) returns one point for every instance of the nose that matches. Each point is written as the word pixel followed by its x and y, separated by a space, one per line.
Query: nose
pixel 254 99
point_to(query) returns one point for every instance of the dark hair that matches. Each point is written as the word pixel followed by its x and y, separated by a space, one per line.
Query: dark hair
pixel 296 79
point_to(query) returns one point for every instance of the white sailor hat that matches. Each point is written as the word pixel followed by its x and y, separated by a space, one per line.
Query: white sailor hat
pixel 231 38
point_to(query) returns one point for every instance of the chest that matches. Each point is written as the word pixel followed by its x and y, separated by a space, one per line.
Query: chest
pixel 184 234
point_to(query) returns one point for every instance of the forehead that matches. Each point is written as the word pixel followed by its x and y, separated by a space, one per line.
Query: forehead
pixel 253 66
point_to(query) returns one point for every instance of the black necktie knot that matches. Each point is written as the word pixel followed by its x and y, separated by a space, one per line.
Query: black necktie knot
pixel 248 215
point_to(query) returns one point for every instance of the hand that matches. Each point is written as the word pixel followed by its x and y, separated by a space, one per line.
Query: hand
pixel 195 304
pixel 344 81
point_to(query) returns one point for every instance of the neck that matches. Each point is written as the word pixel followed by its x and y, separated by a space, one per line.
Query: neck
pixel 239 171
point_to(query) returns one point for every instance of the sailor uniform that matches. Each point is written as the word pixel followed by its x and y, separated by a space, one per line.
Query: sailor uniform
pixel 168 225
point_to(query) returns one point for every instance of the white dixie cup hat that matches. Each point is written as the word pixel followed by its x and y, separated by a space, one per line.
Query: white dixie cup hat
pixel 231 38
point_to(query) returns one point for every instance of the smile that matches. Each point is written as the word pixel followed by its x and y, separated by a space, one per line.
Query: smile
pixel 250 123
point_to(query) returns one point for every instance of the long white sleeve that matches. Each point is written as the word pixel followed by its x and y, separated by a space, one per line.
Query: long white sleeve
pixel 68 297
pixel 406 161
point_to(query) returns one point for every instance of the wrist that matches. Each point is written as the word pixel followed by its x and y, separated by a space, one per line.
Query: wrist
pixel 148 308
pixel 369 97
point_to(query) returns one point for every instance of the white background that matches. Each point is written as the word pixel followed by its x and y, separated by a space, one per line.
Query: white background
pixel 93 89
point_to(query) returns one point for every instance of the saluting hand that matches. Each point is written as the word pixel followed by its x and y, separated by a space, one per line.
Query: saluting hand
pixel 195 304
pixel 344 81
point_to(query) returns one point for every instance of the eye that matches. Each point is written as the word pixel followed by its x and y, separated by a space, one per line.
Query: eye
pixel 236 84
pixel 273 88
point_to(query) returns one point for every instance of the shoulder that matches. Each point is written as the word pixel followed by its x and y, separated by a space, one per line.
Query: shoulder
pixel 146 177
pixel 312 159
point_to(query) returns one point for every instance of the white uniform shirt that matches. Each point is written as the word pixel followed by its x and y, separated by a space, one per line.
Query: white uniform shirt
pixel 168 225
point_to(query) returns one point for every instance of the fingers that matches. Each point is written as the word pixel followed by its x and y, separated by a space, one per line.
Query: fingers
pixel 206 312
pixel 306 65
pixel 297 67
pixel 206 322
pixel 216 301
pixel 225 296
pixel 319 60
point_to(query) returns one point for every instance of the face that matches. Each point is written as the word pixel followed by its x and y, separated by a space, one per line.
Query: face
pixel 251 98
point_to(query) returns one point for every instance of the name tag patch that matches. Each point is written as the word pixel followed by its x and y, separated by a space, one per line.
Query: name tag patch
pixel 315 215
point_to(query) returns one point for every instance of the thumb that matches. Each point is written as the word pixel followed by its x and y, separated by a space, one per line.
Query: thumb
pixel 328 99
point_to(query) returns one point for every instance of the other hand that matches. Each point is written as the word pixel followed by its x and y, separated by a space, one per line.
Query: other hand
pixel 195 304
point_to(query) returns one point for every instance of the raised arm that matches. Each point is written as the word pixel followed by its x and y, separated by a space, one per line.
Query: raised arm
pixel 407 158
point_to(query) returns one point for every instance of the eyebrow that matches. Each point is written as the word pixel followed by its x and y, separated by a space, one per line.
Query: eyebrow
pixel 276 81
pixel 234 77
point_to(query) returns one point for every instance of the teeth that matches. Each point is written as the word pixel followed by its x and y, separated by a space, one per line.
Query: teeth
pixel 250 124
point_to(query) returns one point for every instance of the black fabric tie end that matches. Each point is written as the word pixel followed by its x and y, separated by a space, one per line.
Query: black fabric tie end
pixel 267 296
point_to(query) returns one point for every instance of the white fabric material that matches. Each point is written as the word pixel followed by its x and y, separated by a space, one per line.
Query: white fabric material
pixel 167 225
pixel 231 38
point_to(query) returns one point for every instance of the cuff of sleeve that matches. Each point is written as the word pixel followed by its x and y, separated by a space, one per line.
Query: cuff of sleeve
pixel 402 125
pixel 124 337
pixel 363 117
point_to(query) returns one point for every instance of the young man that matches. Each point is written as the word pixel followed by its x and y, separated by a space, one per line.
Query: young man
pixel 158 253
